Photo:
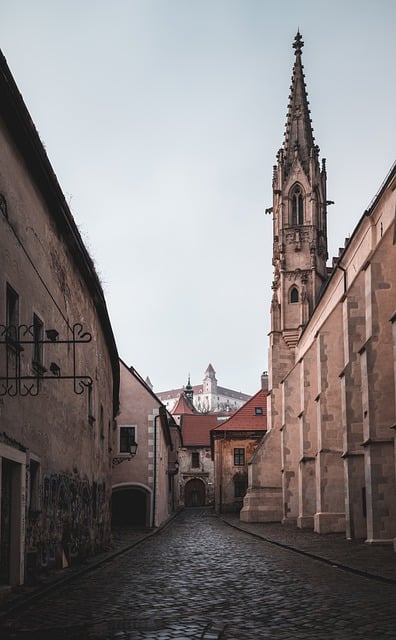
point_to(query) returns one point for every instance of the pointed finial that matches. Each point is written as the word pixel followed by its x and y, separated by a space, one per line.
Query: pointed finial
pixel 298 43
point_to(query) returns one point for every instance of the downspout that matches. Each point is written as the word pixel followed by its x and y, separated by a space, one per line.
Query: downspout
pixel 345 276
pixel 155 471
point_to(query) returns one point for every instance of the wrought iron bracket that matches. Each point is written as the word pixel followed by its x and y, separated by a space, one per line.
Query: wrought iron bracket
pixel 14 340
pixel 117 460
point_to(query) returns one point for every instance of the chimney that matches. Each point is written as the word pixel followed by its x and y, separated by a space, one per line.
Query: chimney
pixel 264 380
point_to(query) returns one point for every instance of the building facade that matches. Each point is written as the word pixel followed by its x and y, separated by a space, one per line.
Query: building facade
pixel 233 443
pixel 145 445
pixel 328 460
pixel 196 470
pixel 207 397
pixel 59 377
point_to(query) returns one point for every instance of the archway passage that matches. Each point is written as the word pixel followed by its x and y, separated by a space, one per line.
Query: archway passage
pixel 130 506
pixel 194 493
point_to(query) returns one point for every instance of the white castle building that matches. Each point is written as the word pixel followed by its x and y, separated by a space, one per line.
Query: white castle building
pixel 207 397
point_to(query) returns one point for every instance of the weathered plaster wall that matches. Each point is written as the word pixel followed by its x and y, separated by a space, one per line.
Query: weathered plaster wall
pixel 66 435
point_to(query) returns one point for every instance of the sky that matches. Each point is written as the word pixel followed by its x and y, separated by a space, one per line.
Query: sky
pixel 162 120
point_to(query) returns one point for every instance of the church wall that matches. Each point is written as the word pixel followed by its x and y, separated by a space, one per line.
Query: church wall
pixel 378 392
pixel 335 359
pixel 352 413
pixel 290 443
pixel 329 514
pixel 307 440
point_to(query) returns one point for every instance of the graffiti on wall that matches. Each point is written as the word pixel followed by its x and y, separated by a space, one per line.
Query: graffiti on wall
pixel 72 522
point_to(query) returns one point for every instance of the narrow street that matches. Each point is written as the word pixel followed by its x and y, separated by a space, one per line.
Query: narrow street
pixel 201 579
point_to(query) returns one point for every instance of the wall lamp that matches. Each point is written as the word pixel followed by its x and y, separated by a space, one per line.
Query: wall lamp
pixel 132 452
pixel 133 448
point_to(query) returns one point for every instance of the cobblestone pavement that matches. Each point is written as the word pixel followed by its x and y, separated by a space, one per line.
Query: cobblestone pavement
pixel 201 579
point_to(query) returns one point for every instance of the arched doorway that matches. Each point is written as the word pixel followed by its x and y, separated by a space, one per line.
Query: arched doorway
pixel 194 493
pixel 130 506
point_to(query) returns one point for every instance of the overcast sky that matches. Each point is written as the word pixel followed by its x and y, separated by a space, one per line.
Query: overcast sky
pixel 162 120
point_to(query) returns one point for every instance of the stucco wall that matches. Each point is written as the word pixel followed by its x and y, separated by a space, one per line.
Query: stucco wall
pixel 67 437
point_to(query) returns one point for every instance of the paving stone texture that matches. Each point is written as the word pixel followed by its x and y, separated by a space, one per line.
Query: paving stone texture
pixel 199 578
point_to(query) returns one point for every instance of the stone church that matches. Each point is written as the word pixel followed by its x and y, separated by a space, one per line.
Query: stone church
pixel 327 462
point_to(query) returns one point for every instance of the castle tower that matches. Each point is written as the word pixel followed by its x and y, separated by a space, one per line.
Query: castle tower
pixel 189 391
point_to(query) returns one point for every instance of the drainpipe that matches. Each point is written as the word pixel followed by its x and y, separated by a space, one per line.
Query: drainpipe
pixel 155 471
pixel 345 276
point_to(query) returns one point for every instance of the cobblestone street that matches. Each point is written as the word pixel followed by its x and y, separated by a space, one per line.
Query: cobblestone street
pixel 199 578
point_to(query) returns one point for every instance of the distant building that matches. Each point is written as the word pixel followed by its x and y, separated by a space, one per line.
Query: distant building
pixel 207 397
pixel 233 443
pixel 196 479
pixel 144 488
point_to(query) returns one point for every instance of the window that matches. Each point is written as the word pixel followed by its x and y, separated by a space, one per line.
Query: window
pixel 127 438
pixel 258 411
pixel 239 456
pixel 12 313
pixel 195 459
pixel 240 487
pixel 294 295
pixel 297 203
pixel 37 340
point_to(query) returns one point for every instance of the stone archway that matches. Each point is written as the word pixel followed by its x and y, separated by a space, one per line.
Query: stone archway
pixel 195 493
pixel 130 506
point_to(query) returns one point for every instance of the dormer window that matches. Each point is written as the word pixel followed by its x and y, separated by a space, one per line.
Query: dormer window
pixel 297 206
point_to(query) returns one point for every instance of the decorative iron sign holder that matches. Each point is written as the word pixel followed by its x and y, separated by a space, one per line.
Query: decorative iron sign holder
pixel 15 338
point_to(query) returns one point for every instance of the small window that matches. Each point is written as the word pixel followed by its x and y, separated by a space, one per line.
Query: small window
pixel 258 411
pixel 127 438
pixel 297 203
pixel 239 456
pixel 195 459
pixel 294 295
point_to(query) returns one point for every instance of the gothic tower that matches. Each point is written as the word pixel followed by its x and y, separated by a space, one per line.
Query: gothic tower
pixel 299 217
pixel 299 261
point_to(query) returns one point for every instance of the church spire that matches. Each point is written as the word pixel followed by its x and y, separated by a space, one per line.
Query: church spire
pixel 299 216
pixel 299 139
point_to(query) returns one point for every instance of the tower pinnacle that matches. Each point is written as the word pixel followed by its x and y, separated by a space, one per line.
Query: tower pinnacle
pixel 298 43
pixel 299 136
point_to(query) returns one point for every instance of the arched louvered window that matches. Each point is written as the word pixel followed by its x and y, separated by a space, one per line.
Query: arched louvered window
pixel 294 295
pixel 297 204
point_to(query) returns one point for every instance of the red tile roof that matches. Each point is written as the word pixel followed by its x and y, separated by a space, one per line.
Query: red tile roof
pixel 196 429
pixel 246 418
pixel 183 405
